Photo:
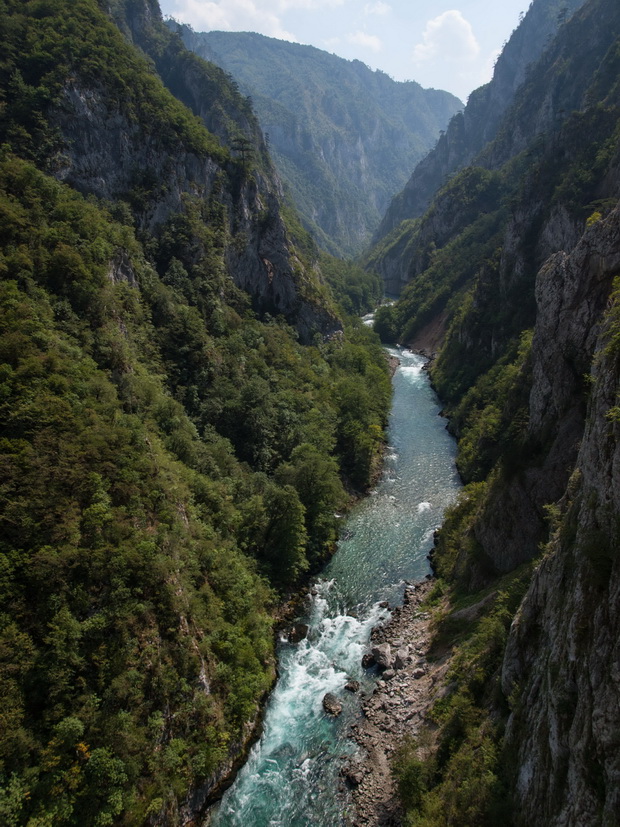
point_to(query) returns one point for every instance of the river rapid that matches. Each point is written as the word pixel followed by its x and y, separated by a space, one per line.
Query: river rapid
pixel 291 778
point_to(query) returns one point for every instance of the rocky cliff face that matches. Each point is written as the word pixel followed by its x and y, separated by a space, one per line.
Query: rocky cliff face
pixel 492 226
pixel 518 258
pixel 343 137
pixel 113 155
pixel 470 131
pixel 561 666
pixel 572 292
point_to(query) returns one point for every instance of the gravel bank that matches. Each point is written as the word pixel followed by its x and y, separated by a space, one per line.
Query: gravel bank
pixel 396 709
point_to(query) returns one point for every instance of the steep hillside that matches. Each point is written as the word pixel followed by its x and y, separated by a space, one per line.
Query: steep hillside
pixel 470 131
pixel 561 662
pixel 171 455
pixel 95 130
pixel 514 270
pixel 342 136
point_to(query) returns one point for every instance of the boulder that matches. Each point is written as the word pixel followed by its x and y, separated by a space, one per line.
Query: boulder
pixel 352 686
pixel 401 659
pixel 332 705
pixel 382 655
pixel 352 776
pixel 388 674
pixel 368 661
pixel 298 632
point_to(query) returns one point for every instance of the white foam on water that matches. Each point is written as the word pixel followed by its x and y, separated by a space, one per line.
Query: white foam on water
pixel 412 373
pixel 323 662
pixel 428 535
pixel 291 776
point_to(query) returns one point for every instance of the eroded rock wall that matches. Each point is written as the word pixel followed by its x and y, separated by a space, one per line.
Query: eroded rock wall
pixel 562 663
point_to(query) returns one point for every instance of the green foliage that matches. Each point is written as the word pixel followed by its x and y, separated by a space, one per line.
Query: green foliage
pixel 386 324
pixel 450 267
pixel 166 463
pixel 470 793
pixel 356 291
pixel 455 542
pixel 593 140
pixel 48 45
pixel 461 780
pixel 492 416
pixel 414 774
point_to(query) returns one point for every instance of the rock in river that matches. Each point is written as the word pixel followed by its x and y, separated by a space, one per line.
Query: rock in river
pixel 298 632
pixel 332 705
pixel 382 655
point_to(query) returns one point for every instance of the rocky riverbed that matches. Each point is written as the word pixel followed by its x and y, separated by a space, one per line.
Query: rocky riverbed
pixel 396 709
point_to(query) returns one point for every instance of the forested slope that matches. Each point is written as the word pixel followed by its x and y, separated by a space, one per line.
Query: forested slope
pixel 180 414
pixel 514 270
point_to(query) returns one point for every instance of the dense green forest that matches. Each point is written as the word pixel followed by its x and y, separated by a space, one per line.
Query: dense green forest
pixel 171 460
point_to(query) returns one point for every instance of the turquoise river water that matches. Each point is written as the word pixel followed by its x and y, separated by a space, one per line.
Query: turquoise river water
pixel 291 778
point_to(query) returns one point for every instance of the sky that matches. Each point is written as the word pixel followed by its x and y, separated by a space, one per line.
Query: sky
pixel 448 45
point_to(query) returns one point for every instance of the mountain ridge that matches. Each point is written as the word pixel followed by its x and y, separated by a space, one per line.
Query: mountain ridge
pixel 469 131
pixel 341 134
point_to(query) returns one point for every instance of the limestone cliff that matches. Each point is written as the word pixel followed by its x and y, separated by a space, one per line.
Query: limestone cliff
pixel 561 666
pixel 111 151
pixel 519 256
pixel 572 291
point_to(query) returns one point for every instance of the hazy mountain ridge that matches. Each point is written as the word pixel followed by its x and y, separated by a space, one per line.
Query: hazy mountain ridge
pixel 470 131
pixel 342 135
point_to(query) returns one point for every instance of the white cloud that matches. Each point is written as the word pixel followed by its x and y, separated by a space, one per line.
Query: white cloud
pixel 240 15
pixel 306 4
pixel 489 66
pixel 264 16
pixel 378 7
pixel 368 41
pixel 331 42
pixel 448 37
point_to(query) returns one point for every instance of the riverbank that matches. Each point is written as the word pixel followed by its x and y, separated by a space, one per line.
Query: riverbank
pixel 397 709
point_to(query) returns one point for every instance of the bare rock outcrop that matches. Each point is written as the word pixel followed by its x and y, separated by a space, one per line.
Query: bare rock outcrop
pixel 395 710
pixel 332 705
pixel 562 663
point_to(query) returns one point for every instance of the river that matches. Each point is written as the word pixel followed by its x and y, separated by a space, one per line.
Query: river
pixel 291 778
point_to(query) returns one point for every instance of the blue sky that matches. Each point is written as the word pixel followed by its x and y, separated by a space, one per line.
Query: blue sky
pixel 447 45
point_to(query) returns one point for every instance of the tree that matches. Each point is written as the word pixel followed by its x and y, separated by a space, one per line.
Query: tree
pixel 315 478
pixel 245 148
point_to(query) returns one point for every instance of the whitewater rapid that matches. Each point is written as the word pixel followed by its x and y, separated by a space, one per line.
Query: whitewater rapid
pixel 291 778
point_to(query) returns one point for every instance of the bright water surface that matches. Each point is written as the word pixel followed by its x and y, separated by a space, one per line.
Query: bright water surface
pixel 291 776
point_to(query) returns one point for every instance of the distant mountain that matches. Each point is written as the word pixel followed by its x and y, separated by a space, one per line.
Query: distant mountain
pixel 342 136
